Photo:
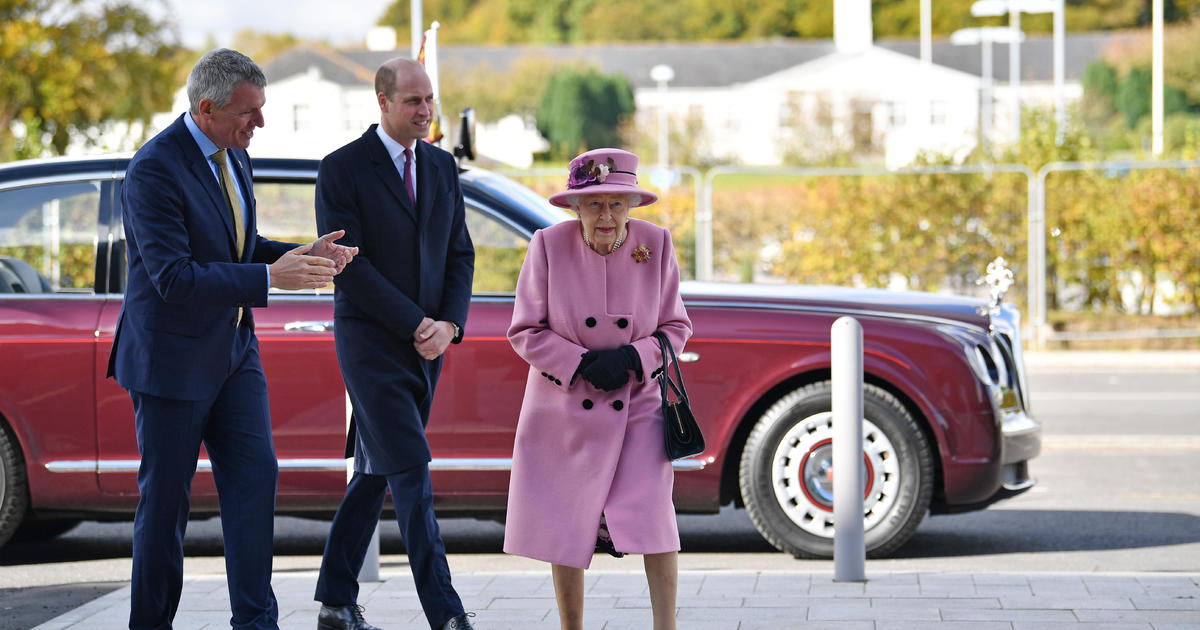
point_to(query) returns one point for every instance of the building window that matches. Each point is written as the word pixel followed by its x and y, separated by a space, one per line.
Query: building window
pixel 824 116
pixel 300 117
pixel 937 113
pixel 862 124
pixel 899 115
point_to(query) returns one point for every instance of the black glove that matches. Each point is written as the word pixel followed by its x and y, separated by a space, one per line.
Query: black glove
pixel 585 360
pixel 609 369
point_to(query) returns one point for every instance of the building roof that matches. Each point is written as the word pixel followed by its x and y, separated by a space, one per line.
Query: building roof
pixel 702 64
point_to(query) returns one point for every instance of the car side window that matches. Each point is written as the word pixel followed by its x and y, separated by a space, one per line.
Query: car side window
pixel 48 237
pixel 285 212
pixel 499 252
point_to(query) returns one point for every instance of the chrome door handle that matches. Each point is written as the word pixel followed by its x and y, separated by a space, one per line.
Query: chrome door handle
pixel 308 326
pixel 688 357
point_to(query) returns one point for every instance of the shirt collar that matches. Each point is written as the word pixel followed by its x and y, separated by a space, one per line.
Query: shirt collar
pixel 394 149
pixel 207 146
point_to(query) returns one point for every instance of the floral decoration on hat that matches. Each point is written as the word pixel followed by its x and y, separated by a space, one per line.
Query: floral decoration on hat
pixel 590 173
pixel 641 254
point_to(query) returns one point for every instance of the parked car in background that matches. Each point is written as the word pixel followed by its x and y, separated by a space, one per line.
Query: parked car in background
pixel 947 426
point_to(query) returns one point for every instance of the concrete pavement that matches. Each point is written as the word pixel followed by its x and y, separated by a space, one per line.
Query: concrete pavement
pixel 518 594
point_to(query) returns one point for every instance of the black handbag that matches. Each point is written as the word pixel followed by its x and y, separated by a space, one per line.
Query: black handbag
pixel 681 433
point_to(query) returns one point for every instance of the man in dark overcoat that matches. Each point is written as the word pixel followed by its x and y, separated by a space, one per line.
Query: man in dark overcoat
pixel 397 308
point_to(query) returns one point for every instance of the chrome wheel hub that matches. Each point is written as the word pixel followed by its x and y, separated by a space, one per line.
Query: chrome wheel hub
pixel 802 474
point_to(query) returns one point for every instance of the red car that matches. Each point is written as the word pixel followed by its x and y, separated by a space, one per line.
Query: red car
pixel 947 425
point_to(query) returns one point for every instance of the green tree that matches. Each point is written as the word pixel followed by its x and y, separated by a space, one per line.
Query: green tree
pixel 1132 97
pixel 71 67
pixel 583 109
pixel 496 95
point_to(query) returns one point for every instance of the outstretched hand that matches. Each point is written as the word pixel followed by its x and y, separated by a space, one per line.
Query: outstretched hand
pixel 297 270
pixel 339 254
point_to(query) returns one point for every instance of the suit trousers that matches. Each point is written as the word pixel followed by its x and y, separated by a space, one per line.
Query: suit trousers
pixel 235 428
pixel 354 523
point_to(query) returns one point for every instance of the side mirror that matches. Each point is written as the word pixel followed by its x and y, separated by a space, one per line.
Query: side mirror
pixel 466 136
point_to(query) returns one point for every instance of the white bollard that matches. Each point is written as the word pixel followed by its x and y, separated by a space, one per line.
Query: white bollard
pixel 370 568
pixel 849 546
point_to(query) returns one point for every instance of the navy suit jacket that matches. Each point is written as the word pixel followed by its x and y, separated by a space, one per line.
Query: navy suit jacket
pixel 412 262
pixel 185 283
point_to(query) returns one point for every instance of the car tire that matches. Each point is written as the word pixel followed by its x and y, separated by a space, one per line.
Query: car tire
pixel 14 492
pixel 785 481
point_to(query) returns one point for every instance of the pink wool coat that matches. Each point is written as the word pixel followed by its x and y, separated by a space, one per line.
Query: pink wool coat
pixel 580 451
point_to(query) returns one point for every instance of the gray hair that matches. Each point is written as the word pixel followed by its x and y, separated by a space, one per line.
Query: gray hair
pixel 633 200
pixel 216 75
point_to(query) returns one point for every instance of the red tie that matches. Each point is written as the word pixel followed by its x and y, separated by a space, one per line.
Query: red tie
pixel 408 175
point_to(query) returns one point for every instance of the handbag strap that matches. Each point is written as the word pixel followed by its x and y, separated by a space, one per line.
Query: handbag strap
pixel 669 362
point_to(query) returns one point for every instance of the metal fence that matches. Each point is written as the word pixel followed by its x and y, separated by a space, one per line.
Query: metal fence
pixel 1029 243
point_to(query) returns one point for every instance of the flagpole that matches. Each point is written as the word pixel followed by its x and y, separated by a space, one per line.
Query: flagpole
pixel 418 26
pixel 428 57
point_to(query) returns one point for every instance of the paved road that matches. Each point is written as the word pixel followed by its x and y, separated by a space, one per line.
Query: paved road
pixel 1116 493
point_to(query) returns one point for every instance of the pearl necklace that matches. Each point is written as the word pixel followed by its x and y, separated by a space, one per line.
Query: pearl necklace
pixel 620 241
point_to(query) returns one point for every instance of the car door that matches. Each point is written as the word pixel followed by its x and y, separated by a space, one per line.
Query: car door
pixel 49 309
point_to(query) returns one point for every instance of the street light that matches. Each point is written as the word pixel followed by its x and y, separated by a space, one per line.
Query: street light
pixel 1014 9
pixel 984 36
pixel 661 74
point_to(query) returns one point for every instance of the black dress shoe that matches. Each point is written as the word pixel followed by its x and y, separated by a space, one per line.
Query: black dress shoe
pixel 342 618
pixel 460 623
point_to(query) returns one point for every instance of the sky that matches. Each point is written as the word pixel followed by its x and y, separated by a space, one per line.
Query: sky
pixel 340 23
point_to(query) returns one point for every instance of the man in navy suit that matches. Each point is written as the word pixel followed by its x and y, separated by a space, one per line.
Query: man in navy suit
pixel 397 307
pixel 185 348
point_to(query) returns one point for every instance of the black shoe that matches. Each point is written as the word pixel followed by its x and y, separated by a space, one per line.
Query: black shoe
pixel 460 622
pixel 342 618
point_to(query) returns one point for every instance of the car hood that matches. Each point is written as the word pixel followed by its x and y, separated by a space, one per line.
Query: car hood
pixel 883 302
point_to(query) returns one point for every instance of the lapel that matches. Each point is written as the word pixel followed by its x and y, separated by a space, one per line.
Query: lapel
pixel 197 165
pixel 387 172
pixel 427 178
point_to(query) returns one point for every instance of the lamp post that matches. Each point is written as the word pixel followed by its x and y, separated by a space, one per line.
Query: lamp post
pixel 985 36
pixel 1156 82
pixel 661 74
pixel 1014 9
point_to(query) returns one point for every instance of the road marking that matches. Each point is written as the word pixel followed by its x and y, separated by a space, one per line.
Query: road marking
pixel 1121 442
pixel 1172 396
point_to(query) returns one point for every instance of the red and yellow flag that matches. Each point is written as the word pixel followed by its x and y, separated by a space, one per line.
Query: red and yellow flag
pixel 430 62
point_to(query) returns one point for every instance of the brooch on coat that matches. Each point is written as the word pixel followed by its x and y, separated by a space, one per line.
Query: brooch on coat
pixel 641 254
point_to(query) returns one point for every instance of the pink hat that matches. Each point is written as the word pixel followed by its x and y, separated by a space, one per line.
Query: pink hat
pixel 603 171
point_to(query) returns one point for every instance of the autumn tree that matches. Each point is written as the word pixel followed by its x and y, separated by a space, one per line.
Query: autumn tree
pixel 71 67
pixel 579 21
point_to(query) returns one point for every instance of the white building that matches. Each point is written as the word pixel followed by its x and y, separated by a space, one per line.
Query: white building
pixel 759 103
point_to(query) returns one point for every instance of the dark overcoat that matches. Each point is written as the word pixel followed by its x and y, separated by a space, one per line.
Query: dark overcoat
pixel 412 263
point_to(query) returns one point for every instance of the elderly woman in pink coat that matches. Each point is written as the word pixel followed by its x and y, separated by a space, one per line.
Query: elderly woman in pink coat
pixel 589 467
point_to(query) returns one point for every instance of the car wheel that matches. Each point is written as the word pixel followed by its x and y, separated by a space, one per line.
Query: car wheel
pixel 786 472
pixel 13 490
